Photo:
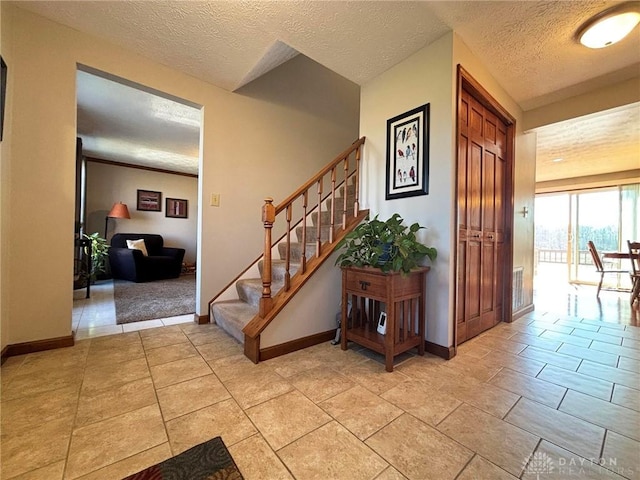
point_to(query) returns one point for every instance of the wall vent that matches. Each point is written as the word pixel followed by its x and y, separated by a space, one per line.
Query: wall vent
pixel 518 289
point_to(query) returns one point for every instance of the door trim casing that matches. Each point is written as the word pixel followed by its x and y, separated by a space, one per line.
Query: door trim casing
pixel 466 81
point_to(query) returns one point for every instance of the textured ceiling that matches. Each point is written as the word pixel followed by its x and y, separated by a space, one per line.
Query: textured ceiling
pixel 123 124
pixel 590 145
pixel 527 46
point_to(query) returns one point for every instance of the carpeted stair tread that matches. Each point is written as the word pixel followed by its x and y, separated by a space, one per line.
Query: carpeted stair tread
pixel 325 216
pixel 296 251
pixel 232 316
pixel 278 269
pixel 312 233
pixel 250 290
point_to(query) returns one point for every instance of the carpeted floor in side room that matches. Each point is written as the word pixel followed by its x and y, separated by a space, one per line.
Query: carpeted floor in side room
pixel 158 299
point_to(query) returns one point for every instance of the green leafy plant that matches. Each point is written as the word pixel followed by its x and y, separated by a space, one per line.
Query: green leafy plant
pixel 99 253
pixel 388 245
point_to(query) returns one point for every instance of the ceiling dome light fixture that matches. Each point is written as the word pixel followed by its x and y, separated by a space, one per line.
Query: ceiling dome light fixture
pixel 610 26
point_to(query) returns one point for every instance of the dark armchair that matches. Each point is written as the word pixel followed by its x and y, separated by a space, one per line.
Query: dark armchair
pixel 128 264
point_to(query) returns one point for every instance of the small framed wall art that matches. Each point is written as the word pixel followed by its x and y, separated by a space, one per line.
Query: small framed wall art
pixel 177 208
pixel 408 154
pixel 149 201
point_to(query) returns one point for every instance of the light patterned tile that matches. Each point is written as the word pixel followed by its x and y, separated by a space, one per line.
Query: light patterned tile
pixel 100 444
pixel 626 397
pixel 360 411
pixel 517 363
pixel 372 376
pixel 320 383
pixel 532 388
pixel 577 381
pixel 108 376
pixel 132 464
pixel 391 473
pixel 288 417
pixel 257 461
pixel 502 443
pixel 495 343
pixel 225 419
pixel 589 354
pixel 562 429
pixel 419 451
pixel 630 364
pixel 170 353
pixel 602 337
pixel 611 374
pixel 552 327
pixel 185 397
pixel 479 468
pixel 608 415
pixel 622 455
pixel 251 390
pixel 486 397
pixel 25 413
pixel 53 471
pixel 538 342
pixel 616 350
pixel 552 462
pixel 315 456
pixel 179 371
pixel 566 338
pixel 97 406
pixel 557 359
pixel 25 451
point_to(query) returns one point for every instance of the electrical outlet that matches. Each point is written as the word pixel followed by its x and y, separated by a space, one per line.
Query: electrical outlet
pixel 215 199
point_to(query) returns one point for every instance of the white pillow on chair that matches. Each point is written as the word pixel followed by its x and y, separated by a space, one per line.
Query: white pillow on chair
pixel 138 245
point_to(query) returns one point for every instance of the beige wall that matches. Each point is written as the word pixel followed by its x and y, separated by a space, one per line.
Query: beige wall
pixel 109 184
pixel 5 198
pixel 261 141
pixel 425 77
pixel 429 76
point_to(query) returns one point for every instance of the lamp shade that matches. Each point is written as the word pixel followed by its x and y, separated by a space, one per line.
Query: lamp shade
pixel 119 210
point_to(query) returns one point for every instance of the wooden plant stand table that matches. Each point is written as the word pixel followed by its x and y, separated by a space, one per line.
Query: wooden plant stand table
pixel 366 292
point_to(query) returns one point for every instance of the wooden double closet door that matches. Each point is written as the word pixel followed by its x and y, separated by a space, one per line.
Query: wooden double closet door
pixel 483 257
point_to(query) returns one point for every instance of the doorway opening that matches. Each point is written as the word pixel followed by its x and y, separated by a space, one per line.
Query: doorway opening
pixel 135 142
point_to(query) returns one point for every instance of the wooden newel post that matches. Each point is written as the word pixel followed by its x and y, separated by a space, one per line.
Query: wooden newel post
pixel 268 218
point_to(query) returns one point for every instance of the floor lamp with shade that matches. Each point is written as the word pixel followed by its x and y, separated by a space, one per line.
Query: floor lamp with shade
pixel 119 210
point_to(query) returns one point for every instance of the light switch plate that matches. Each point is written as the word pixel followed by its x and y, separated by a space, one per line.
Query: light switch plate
pixel 215 199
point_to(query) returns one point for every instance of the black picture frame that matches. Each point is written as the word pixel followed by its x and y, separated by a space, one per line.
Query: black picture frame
pixel 407 172
pixel 3 93
pixel 176 208
pixel 149 201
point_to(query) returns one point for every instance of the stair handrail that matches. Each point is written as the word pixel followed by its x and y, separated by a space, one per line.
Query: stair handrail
pixel 269 213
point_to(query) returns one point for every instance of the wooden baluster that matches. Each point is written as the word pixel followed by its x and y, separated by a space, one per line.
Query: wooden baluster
pixel 268 218
pixel 344 200
pixel 303 260
pixel 319 233
pixel 333 204
pixel 287 273
pixel 356 205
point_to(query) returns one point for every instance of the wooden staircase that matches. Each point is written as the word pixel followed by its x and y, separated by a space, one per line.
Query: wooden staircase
pixel 265 287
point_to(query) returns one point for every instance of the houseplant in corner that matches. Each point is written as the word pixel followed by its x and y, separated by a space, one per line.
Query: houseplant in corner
pixel 99 253
pixel 388 245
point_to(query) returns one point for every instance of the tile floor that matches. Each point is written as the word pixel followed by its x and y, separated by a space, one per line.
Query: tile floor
pixel 550 396
pixel 96 316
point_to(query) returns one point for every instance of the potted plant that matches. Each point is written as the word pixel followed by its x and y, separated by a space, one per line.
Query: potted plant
pixel 99 253
pixel 388 245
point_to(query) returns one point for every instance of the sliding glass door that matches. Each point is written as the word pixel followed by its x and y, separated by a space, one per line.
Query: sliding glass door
pixel 565 222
